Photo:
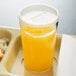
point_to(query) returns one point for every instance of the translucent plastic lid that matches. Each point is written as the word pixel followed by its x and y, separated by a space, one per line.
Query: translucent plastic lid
pixel 39 15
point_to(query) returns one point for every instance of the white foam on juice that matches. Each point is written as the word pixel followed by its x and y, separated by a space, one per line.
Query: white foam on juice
pixel 38 18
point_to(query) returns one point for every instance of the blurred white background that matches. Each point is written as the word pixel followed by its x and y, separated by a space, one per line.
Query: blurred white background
pixel 9 10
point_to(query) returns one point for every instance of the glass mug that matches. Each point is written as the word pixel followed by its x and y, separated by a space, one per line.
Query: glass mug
pixel 38 33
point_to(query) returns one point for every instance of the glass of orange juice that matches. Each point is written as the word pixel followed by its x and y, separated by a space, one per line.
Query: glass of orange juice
pixel 38 33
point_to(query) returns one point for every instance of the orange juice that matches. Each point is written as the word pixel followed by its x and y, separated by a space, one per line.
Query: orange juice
pixel 38 38
pixel 38 51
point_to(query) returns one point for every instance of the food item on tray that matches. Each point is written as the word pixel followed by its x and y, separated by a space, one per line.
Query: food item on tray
pixel 3 46
pixel 1 55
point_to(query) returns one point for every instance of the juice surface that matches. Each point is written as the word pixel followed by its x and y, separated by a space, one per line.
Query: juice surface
pixel 38 46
